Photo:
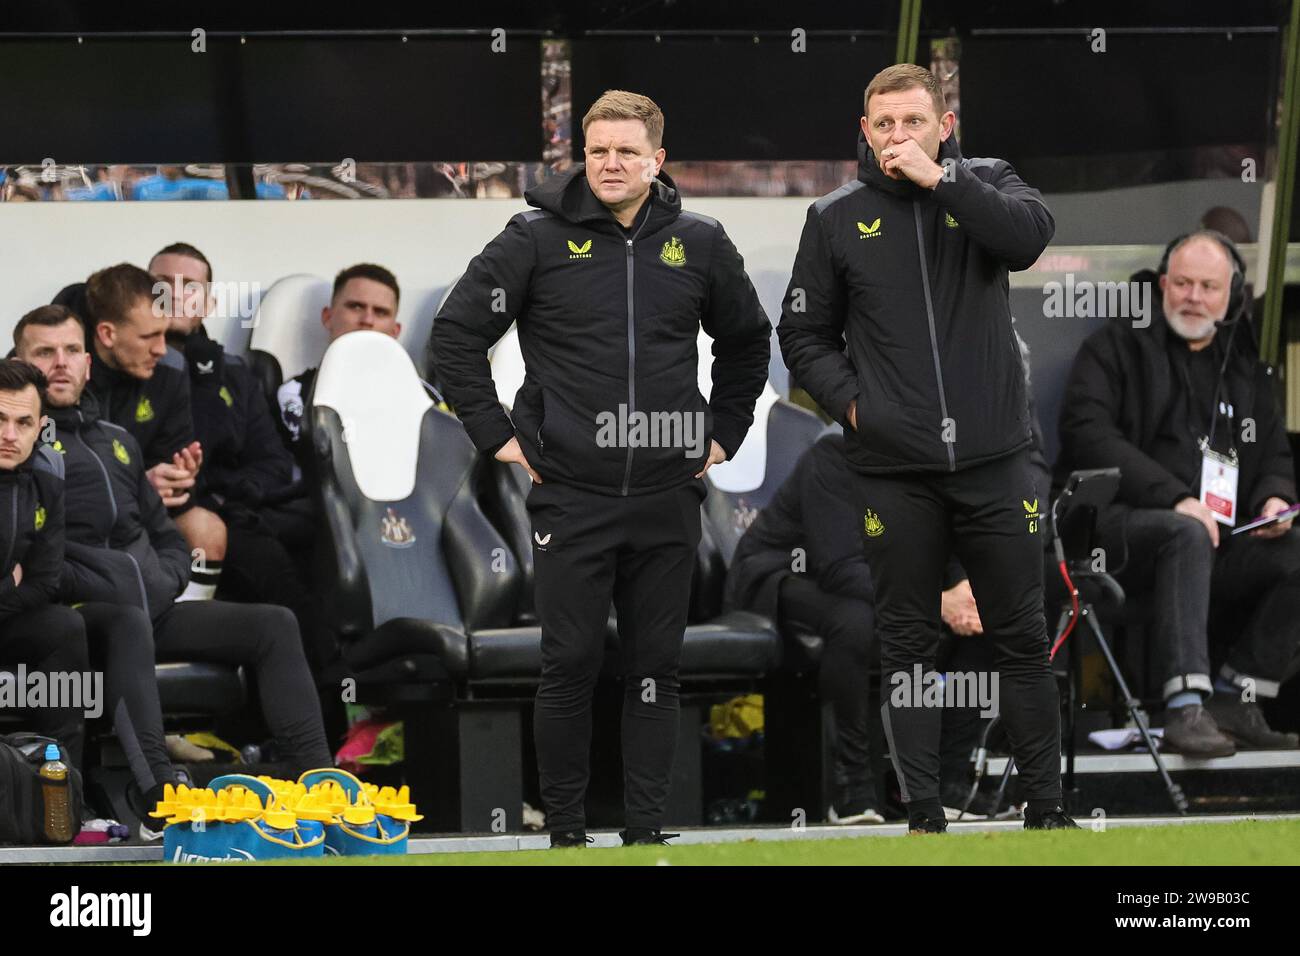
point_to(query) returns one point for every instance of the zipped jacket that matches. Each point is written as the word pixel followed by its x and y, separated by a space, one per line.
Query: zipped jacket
pixel 915 282
pixel 608 324
pixel 121 546
pixel 156 410
pixel 31 533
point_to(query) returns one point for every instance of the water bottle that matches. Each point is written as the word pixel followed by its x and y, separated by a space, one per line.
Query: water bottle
pixel 54 792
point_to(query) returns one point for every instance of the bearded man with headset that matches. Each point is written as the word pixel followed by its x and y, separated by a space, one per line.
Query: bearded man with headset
pixel 1185 408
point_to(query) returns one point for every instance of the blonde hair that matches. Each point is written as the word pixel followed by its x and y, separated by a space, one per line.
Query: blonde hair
pixel 622 105
pixel 905 76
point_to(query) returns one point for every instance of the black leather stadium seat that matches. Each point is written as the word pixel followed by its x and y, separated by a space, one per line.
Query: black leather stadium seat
pixel 423 588
pixel 190 690
pixel 186 691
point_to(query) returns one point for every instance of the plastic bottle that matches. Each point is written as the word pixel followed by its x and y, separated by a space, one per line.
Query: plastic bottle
pixel 54 792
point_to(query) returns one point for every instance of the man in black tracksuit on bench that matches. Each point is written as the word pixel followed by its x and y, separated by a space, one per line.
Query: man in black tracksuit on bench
pixel 35 631
pixel 123 549
pixel 143 386
pixel 909 264
pixel 610 283
pixel 247 472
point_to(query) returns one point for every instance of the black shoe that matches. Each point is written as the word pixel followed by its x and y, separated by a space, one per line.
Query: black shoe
pixel 1244 722
pixel 1192 731
pixel 644 836
pixel 569 838
pixel 927 825
pixel 1053 819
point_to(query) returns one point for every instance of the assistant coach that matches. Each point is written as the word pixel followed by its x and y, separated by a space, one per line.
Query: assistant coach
pixel 909 264
pixel 610 283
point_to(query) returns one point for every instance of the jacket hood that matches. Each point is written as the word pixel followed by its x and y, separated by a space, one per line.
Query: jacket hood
pixel 76 417
pixel 104 377
pixel 869 170
pixel 199 337
pixel 569 197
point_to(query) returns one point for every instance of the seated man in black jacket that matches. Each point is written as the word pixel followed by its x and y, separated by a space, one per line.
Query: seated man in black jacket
pixel 119 638
pixel 35 632
pixel 246 469
pixel 123 548
pixel 142 386
pixel 1184 398
pixel 364 296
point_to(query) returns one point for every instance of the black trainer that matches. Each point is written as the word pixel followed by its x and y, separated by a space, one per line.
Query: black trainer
pixel 644 836
pixel 1053 819
pixel 927 825
pixel 569 838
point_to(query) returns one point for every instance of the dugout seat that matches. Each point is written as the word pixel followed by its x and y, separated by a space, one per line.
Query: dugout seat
pixel 503 488
pixel 416 313
pixel 422 587
pixel 796 723
pixel 232 331
pixel 287 336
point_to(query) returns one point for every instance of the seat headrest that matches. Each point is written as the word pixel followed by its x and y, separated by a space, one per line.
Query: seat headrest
pixel 369 380
pixel 505 357
pixel 746 470
pixel 507 367
pixel 287 322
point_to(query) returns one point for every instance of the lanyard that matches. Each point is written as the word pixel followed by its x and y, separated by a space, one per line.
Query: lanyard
pixel 1218 407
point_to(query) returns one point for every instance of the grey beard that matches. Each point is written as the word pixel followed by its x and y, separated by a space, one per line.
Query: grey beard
pixel 1191 329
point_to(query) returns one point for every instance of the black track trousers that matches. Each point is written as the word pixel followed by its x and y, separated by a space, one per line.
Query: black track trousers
pixel 639 552
pixel 991 518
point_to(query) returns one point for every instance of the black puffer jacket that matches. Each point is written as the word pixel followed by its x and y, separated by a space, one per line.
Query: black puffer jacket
pixel 121 546
pixel 606 319
pixel 916 281
pixel 809 512
pixel 244 461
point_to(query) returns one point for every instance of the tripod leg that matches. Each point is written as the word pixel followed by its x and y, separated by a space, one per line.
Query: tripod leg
pixel 1002 784
pixel 1135 710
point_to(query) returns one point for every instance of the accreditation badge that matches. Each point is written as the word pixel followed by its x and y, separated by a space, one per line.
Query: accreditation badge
pixel 1219 484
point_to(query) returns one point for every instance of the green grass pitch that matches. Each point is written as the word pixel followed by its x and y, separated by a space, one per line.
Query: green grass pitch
pixel 1263 842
